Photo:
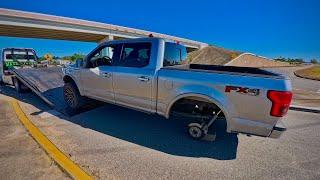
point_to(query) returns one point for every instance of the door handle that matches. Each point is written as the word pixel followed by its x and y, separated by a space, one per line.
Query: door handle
pixel 106 74
pixel 144 78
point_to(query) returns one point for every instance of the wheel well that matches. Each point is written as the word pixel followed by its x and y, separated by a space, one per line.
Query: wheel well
pixel 68 79
pixel 197 109
pixel 195 105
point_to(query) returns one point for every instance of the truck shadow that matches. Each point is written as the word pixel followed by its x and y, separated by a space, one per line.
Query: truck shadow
pixel 151 131
pixel 168 136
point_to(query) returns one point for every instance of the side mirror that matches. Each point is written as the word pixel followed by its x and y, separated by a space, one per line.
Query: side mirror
pixel 79 62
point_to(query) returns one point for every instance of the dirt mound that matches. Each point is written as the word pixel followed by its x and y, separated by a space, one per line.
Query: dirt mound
pixel 212 55
pixel 218 56
pixel 309 73
pixel 251 60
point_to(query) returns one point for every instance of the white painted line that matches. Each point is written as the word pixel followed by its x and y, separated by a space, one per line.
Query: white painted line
pixel 305 108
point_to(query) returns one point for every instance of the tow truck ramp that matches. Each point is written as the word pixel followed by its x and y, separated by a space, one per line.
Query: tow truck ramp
pixel 47 83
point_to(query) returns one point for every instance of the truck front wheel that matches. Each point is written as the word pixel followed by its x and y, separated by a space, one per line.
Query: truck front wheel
pixel 72 95
pixel 20 88
pixel 1 81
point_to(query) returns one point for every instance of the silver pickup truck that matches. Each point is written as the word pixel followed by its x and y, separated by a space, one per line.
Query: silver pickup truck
pixel 152 75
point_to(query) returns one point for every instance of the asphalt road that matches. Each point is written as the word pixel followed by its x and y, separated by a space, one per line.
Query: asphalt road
pixel 297 82
pixel 305 92
pixel 20 156
pixel 113 142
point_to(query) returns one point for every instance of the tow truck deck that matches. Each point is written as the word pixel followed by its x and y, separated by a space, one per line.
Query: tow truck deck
pixel 47 83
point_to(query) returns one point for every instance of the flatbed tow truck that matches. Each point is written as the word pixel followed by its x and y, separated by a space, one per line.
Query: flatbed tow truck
pixel 19 67
pixel 47 83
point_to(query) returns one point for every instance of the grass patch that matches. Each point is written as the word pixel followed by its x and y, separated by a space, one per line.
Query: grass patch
pixel 310 73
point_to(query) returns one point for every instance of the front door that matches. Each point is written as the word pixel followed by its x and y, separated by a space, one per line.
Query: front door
pixel 98 76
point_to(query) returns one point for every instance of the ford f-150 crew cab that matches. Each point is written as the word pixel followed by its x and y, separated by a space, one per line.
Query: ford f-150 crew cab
pixel 152 75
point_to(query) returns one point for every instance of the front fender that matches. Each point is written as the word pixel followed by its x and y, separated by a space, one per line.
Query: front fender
pixel 70 77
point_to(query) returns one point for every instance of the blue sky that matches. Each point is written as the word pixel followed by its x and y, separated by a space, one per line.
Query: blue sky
pixel 271 28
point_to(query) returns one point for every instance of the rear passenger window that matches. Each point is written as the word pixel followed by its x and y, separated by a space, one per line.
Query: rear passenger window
pixel 174 54
pixel 135 55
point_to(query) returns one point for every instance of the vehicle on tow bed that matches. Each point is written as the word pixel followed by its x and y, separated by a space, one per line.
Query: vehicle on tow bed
pixel 152 75
pixel 11 58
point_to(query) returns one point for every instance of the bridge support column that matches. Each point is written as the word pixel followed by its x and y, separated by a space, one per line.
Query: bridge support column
pixel 107 51
pixel 108 38
pixel 203 45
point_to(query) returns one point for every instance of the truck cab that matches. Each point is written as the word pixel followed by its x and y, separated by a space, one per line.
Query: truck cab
pixel 15 58
pixel 125 72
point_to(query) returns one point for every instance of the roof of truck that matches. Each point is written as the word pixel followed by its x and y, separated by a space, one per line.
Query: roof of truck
pixel 139 39
pixel 14 48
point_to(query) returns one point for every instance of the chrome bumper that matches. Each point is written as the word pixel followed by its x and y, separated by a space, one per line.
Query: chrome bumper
pixel 278 130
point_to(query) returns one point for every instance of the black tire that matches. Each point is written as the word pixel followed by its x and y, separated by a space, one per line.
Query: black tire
pixel 72 96
pixel 1 82
pixel 17 84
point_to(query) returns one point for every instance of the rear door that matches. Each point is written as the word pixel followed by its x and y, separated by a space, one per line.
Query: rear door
pixel 97 77
pixel 132 80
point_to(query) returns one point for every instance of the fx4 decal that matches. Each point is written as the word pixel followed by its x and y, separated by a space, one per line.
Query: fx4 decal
pixel 242 90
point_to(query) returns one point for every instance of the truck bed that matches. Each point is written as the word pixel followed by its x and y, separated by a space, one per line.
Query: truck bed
pixel 227 69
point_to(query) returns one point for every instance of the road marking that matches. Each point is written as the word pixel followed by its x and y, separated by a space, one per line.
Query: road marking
pixel 318 91
pixel 58 156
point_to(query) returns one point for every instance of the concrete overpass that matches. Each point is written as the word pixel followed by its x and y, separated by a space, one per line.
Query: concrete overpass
pixel 35 25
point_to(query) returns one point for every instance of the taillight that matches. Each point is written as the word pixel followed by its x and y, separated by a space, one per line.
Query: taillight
pixel 280 102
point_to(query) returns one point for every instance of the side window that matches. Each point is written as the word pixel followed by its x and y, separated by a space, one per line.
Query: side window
pixel 174 54
pixel 135 55
pixel 105 56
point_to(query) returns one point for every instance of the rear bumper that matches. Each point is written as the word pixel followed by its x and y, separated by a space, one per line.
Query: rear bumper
pixel 278 130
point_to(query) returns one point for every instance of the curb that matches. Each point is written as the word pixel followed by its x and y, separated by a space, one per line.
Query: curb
pixel 305 109
pixel 305 77
pixel 56 154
